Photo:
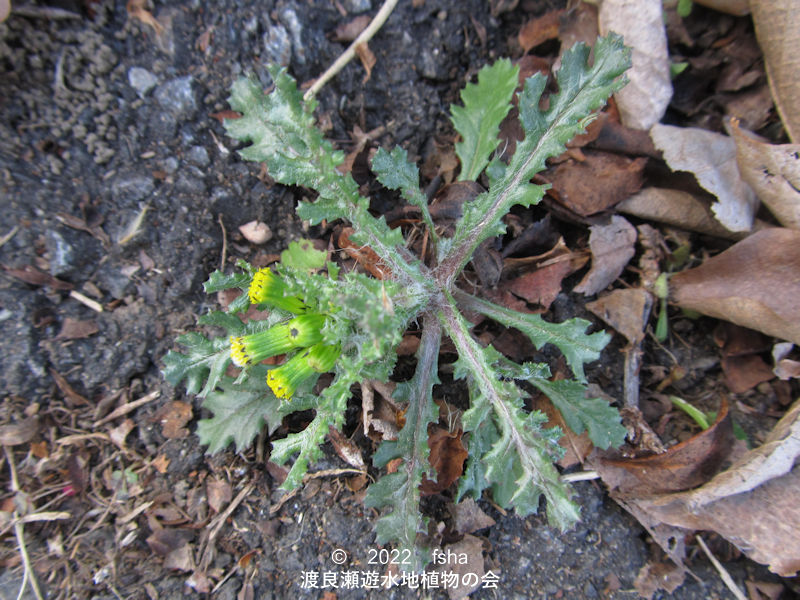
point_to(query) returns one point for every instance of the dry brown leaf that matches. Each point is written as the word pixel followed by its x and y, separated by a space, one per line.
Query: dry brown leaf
pixel 612 247
pixel 579 24
pixel 773 172
pixel 683 466
pixel 33 276
pixel 180 559
pixel 19 433
pixel 367 59
pixel 596 183
pixel 349 31
pixel 447 459
pixel 472 548
pixel 72 397
pixel 743 367
pixel 753 504
pixel 676 208
pixel 120 432
pixel 644 100
pixel 363 255
pixel 785 368
pixel 346 449
pixel 160 463
pixel 777 23
pixel 626 310
pixel 136 10
pixel 379 412
pixel 73 329
pixel 219 493
pixel 542 283
pixel 539 30
pixel 711 158
pixel 755 284
pixel 658 576
pixel 576 447
pixel 469 517
pixel 173 416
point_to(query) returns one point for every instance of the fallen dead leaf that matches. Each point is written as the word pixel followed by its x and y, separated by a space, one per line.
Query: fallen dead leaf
pixel 136 10
pixel 626 310
pixel 173 416
pixel 447 458
pixel 380 414
pixel 72 397
pixel 363 255
pixel 73 329
pixel 785 368
pixel 33 276
pixel 743 367
pixel 658 576
pixel 19 433
pixel 349 31
pixel 470 547
pixel 180 559
pixel 542 284
pixel 612 246
pixel 772 171
pixel 644 100
pixel 347 450
pixel 596 183
pixel 367 59
pixel 711 158
pixel 683 466
pixel 755 284
pixel 677 208
pixel 752 504
pixel 539 30
pixel 118 434
pixel 576 447
pixel 776 23
pixel 160 463
pixel 469 517
pixel 219 493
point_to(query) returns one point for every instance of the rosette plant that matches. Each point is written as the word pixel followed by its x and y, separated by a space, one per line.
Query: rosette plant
pixel 349 324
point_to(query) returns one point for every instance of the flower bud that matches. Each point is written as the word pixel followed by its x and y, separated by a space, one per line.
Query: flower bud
pixel 268 288
pixel 300 332
pixel 284 380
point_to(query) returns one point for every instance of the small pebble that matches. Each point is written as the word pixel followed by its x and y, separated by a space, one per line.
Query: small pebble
pixel 256 232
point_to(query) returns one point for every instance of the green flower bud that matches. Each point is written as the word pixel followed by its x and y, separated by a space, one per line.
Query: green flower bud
pixel 284 380
pixel 300 332
pixel 268 288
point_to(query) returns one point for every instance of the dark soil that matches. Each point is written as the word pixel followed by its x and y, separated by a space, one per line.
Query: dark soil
pixel 102 123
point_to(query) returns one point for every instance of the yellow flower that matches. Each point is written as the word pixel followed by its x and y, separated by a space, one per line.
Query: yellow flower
pixel 284 380
pixel 268 288
pixel 300 332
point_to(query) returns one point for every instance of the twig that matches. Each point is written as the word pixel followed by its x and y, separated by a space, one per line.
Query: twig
pixel 93 304
pixel 580 476
pixel 126 408
pixel 216 525
pixel 224 243
pixel 723 573
pixel 347 55
pixel 308 477
pixel 28 576
pixel 9 235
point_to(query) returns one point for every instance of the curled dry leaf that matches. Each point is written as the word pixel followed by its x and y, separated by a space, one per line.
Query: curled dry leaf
pixel 777 23
pixel 644 100
pixel 681 467
pixel 347 450
pixel 753 504
pixel 542 283
pixel 367 59
pixel 711 158
pixel 539 30
pixel 612 247
pixel 674 207
pixel 785 368
pixel 755 284
pixel 19 433
pixel 447 459
pixel 626 310
pixel 469 517
pixel 773 172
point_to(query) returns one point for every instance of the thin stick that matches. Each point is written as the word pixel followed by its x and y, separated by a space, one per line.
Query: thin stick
pixel 224 243
pixel 28 576
pixel 580 476
pixel 723 573
pixel 126 408
pixel 347 55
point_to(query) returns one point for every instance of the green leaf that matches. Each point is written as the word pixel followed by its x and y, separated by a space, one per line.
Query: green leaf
pixel 486 104
pixel 581 413
pixel 205 361
pixel 302 256
pixel 520 463
pixel 240 411
pixel 400 490
pixel 395 172
pixel 306 444
pixel 569 336
pixel 219 281
pixel 582 89
pixel 481 439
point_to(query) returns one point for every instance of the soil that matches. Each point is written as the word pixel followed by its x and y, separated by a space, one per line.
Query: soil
pixel 118 181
